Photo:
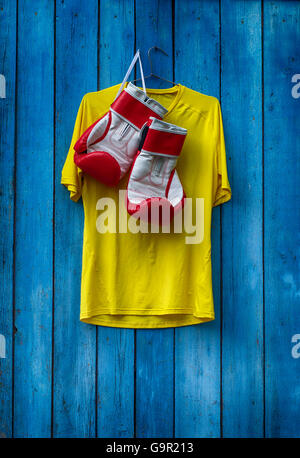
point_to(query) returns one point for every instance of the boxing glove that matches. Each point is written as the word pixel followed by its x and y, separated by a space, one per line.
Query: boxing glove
pixel 153 180
pixel 107 148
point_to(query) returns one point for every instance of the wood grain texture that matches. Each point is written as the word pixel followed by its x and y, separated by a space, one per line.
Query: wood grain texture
pixel 74 410
pixel 282 217
pixel 242 269
pixel 115 382
pixel 234 377
pixel 197 348
pixel 115 395
pixel 34 213
pixel 155 348
pixel 7 155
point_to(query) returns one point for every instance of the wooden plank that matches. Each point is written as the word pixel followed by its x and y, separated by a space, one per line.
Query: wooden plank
pixel 34 213
pixel 197 348
pixel 241 98
pixel 115 382
pixel 7 145
pixel 154 348
pixel 115 345
pixel 282 216
pixel 74 392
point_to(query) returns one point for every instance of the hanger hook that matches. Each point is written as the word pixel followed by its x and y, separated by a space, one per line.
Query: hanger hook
pixel 156 48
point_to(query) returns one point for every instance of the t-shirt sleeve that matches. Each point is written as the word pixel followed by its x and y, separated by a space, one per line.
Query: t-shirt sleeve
pixel 222 190
pixel 71 175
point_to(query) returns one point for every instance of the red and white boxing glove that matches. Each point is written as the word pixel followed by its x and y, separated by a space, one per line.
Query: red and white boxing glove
pixel 107 148
pixel 153 180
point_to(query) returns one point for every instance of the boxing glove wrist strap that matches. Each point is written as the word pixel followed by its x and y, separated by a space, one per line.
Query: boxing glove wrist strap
pixel 169 141
pixel 127 106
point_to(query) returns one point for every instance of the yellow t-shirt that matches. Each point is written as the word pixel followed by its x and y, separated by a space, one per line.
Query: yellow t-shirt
pixel 153 280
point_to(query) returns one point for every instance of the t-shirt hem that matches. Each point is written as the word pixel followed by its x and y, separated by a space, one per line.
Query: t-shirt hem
pixel 222 196
pixel 74 190
pixel 115 319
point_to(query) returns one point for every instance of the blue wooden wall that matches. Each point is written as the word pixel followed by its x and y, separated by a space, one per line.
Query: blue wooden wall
pixel 238 376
